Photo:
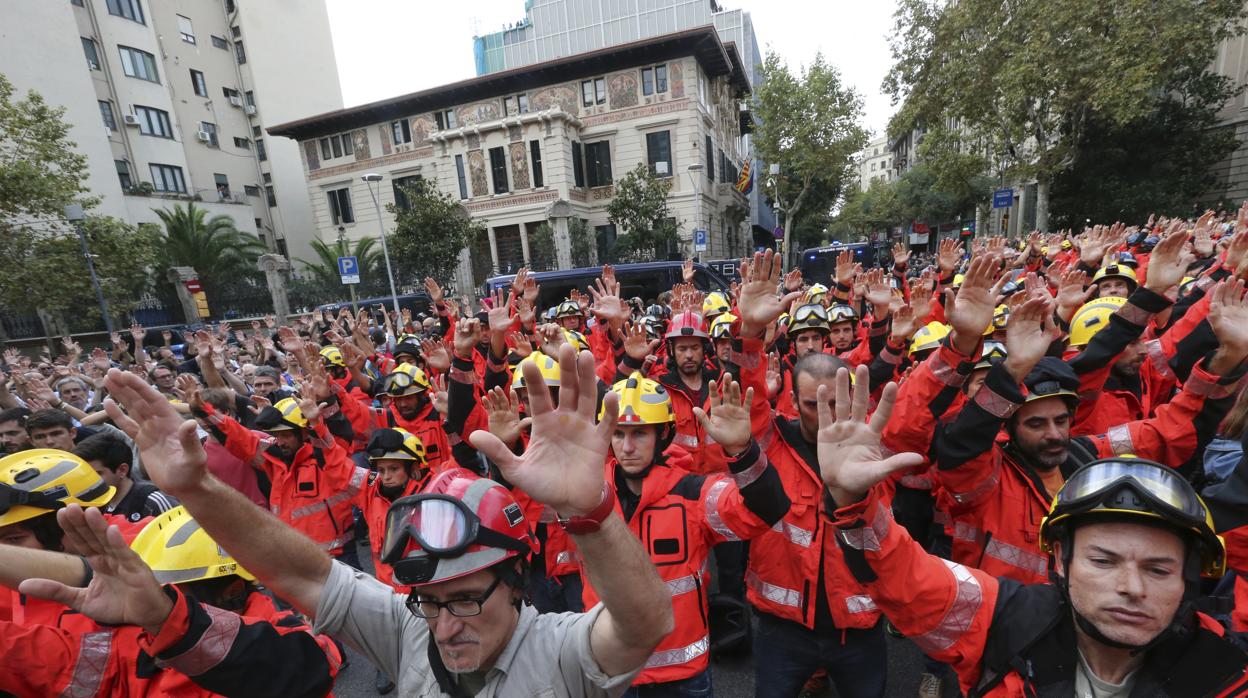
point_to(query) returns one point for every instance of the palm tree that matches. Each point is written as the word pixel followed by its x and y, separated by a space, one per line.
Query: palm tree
pixel 323 271
pixel 213 246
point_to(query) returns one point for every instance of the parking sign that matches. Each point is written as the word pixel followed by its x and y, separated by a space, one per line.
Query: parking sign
pixel 349 270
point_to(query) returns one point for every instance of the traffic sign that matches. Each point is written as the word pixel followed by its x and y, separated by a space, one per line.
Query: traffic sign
pixel 1003 198
pixel 699 240
pixel 349 270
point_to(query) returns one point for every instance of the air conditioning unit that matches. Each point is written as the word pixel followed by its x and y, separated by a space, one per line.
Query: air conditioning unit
pixel 130 119
pixel 236 100
pixel 204 136
pixel 251 110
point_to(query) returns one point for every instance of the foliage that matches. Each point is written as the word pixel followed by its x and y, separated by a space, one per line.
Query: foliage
pixel 583 243
pixel 811 229
pixel 322 272
pixel 218 251
pixel 639 210
pixel 875 208
pixel 54 273
pixel 429 234
pixel 810 125
pixel 1031 77
pixel 1158 162
pixel 42 171
pixel 542 253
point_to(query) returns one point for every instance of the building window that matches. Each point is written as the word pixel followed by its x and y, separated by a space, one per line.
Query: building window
pixel 401 185
pixel 153 122
pixel 257 131
pixel 251 190
pixel 446 119
pixel 535 154
pixel 598 163
pixel 401 131
pixel 130 9
pixel 268 178
pixel 184 28
pixel 516 104
pixel 211 129
pixel 93 55
pixel 340 205
pixel 659 153
pixel 198 84
pixel 578 164
pixel 106 112
pixel 138 64
pixel 167 178
pixel 271 197
pixel 654 80
pixel 218 42
pixel 498 169
pixel 336 146
pixel 459 173
pixel 710 159
pixel 76 3
pixel 239 53
pixel 236 31
pixel 261 153
pixel 123 174
pixel 223 185
pixel 242 143
pixel 250 98
pixel 233 96
pixel 594 92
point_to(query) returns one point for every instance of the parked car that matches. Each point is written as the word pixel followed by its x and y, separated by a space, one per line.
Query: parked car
pixel 646 280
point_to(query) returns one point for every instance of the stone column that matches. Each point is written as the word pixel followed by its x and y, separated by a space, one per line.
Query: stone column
pixel 493 252
pixel 179 276
pixel 524 244
pixel 275 267
pixel 557 213
pixel 463 274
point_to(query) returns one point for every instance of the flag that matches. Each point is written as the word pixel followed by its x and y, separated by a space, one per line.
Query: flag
pixel 745 183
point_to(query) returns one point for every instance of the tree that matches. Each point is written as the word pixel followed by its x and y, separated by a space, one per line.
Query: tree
pixel 876 208
pixel 582 241
pixel 639 210
pixel 42 172
pixel 322 272
pixel 1030 77
pixel 810 125
pixel 542 253
pixel 1158 162
pixel 429 233
pixel 218 251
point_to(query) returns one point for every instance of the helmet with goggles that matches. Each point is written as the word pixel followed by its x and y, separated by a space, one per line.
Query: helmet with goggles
pixel 459 525
pixel 721 328
pixel 1092 317
pixel 568 308
pixel 642 401
pixel 405 380
pixel 284 415
pixel 841 313
pixel 395 444
pixel 928 337
pixel 812 316
pixel 1117 271
pixel 816 293
pixel 42 480
pixel 332 356
pixel 993 353
pixel 715 304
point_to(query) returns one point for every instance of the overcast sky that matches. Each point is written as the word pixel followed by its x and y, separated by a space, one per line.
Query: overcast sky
pixel 391 47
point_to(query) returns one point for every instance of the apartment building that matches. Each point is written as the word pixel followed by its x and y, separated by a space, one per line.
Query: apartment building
pixel 169 100
pixel 554 29
pixel 546 142
pixel 875 162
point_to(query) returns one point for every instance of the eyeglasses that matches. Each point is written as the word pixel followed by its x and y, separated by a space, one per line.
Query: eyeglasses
pixel 460 608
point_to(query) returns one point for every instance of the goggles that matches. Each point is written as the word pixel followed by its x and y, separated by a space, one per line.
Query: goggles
pixel 399 382
pixel 1047 389
pixel 385 441
pixel 443 527
pixel 808 311
pixel 1158 491
pixel 51 499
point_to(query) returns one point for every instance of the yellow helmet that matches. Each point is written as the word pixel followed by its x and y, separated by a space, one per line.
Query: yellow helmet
pixel 333 356
pixel 548 367
pixel 42 480
pixel 576 339
pixel 1091 318
pixel 406 379
pixel 1067 244
pixel 714 304
pixel 929 337
pixel 815 293
pixel 642 401
pixel 179 551
pixel 1119 271
pixel 1000 317
pixel 291 416
pixel 568 308
pixel 957 280
pixel 395 444
pixel 721 327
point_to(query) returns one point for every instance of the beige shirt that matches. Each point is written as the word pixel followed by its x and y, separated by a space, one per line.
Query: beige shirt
pixel 548 654
pixel 1089 685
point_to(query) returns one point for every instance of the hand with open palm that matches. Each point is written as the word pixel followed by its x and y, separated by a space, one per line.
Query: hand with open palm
pixel 729 420
pixel 757 304
pixel 172 453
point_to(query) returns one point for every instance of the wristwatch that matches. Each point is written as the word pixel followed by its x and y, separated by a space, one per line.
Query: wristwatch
pixel 592 520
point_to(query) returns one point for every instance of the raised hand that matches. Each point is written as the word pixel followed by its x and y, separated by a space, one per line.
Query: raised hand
pixel 437 358
pixel 686 271
pixel 502 411
pixel 850 459
pixel 905 323
pixel 467 337
pixel 1028 334
pixel 793 280
pixel 758 304
pixel 901 255
pixel 607 306
pixel 434 290
pixel 520 344
pixel 1168 263
pixel 187 387
pixel 499 316
pixel 137 331
pixel 1228 316
pixel 517 283
pixel 637 345
pixel 172 454
pixel 1237 252
pixel 878 293
pixel 970 310
pixel 846 268
pixel 563 464
pixel 948 255
pixel 122 591
pixel 291 342
pixel 921 290
pixel 1094 244
pixel 775 379
pixel 729 420
pixel 1202 235
pixel 440 399
pixel 1071 292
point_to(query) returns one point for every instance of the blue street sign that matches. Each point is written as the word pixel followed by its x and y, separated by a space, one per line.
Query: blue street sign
pixel 699 240
pixel 1003 198
pixel 349 270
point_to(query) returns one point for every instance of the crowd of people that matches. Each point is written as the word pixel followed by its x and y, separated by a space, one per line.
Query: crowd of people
pixel 1026 456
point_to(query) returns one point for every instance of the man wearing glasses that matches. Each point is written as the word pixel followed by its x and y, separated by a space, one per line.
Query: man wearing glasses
pixel 464 543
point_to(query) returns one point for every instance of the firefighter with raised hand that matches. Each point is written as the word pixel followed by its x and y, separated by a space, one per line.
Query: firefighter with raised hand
pixel 997 493
pixel 679 515
pixel 407 397
pixel 812 613
pixel 464 629
pixel 1130 539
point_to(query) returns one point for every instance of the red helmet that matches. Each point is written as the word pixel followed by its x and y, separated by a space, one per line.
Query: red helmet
pixel 687 324
pixel 459 524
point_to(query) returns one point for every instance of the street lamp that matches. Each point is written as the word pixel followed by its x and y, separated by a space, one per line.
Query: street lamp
pixel 74 214
pixel 370 178
pixel 342 251
pixel 695 172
